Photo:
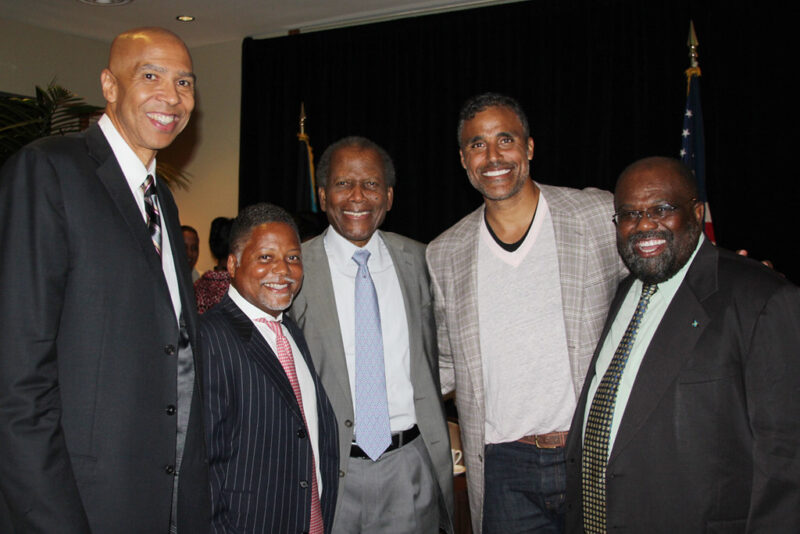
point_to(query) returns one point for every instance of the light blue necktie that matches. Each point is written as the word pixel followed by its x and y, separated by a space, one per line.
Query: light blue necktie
pixel 373 433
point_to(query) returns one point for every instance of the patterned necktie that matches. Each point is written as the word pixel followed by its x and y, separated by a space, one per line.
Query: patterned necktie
pixel 373 433
pixel 287 362
pixel 151 209
pixel 598 424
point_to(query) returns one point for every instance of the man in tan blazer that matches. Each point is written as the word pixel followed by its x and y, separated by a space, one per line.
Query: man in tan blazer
pixel 521 288
pixel 408 488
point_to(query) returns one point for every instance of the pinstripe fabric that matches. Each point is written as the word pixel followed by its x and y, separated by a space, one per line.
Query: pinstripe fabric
pixel 260 458
pixel 589 270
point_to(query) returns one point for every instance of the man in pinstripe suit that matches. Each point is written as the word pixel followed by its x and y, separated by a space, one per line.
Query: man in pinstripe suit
pixel 271 431
pixel 521 288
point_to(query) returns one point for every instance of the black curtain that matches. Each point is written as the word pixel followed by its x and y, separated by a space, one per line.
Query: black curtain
pixel 602 82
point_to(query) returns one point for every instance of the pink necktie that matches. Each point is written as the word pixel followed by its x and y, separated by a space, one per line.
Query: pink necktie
pixel 287 361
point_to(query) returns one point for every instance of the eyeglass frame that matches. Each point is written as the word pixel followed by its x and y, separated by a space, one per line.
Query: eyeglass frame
pixel 667 208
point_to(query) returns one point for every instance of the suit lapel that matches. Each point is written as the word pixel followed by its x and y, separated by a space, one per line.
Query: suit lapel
pixel 258 350
pixel 572 259
pixel 680 329
pixel 408 278
pixel 318 282
pixel 110 175
pixel 465 284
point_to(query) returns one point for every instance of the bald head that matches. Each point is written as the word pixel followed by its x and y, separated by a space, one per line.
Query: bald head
pixel 659 219
pixel 667 168
pixel 149 89
pixel 125 45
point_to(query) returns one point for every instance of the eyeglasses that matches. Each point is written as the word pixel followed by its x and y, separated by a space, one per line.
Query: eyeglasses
pixel 654 213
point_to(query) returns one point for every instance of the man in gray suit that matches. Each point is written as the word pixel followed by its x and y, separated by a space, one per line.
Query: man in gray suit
pixel 376 354
pixel 521 288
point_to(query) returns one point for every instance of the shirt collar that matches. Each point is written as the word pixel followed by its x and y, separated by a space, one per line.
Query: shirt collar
pixel 342 250
pixel 248 309
pixel 132 167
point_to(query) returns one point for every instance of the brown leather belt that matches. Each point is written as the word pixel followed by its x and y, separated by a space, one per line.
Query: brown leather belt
pixel 398 440
pixel 546 441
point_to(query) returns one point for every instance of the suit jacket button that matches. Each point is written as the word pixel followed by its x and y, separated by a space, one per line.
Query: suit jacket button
pixel 169 469
pixel 170 349
pixel 171 410
pixel 303 484
pixel 341 473
pixel 301 433
pixel 348 423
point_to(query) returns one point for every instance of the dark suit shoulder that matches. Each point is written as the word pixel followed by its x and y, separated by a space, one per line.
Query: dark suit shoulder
pixel 747 280
pixel 60 148
pixel 219 323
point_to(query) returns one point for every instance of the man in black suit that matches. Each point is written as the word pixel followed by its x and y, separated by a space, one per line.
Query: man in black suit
pixel 272 438
pixel 101 419
pixel 691 423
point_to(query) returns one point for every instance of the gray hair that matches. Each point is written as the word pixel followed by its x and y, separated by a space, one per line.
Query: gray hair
pixel 362 143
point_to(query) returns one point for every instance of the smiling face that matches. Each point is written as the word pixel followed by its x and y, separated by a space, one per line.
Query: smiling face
pixel 149 88
pixel 655 251
pixel 495 153
pixel 356 197
pixel 269 271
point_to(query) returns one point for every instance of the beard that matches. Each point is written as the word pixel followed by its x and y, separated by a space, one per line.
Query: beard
pixel 659 268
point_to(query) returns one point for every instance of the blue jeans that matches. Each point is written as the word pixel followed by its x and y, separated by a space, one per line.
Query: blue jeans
pixel 524 489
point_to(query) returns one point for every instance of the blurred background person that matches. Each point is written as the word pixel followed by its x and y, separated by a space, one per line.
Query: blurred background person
pixel 212 286
pixel 192 242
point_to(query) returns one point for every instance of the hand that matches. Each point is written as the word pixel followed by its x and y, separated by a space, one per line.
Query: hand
pixel 768 263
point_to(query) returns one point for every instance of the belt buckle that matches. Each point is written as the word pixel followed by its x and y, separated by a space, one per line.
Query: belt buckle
pixel 543 445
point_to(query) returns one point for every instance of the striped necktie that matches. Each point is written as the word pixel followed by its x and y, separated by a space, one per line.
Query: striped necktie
pixel 598 424
pixel 151 210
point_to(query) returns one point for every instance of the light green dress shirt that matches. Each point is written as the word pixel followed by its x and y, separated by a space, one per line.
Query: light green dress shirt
pixel 658 305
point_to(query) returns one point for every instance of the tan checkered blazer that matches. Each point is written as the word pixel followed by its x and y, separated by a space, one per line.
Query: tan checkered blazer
pixel 590 270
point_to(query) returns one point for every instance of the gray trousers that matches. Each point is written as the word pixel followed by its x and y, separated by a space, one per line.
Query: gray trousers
pixel 398 494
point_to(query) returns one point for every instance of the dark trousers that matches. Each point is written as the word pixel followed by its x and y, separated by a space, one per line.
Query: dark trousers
pixel 524 488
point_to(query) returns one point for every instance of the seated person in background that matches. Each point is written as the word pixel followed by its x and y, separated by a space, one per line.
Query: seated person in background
pixel 212 286
pixel 192 242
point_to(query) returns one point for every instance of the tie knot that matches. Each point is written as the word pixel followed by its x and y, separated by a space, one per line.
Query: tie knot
pixel 649 289
pixel 361 256
pixel 273 325
pixel 148 186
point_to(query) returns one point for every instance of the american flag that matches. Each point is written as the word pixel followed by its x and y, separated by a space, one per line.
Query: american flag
pixel 693 150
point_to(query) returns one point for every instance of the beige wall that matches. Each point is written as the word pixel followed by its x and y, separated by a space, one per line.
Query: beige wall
pixel 212 156
pixel 31 56
pixel 208 149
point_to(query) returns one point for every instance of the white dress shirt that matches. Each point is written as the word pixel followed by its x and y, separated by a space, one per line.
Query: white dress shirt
pixel 304 379
pixel 394 325
pixel 135 174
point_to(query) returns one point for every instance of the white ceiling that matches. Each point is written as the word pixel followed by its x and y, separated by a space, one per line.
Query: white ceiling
pixel 218 20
